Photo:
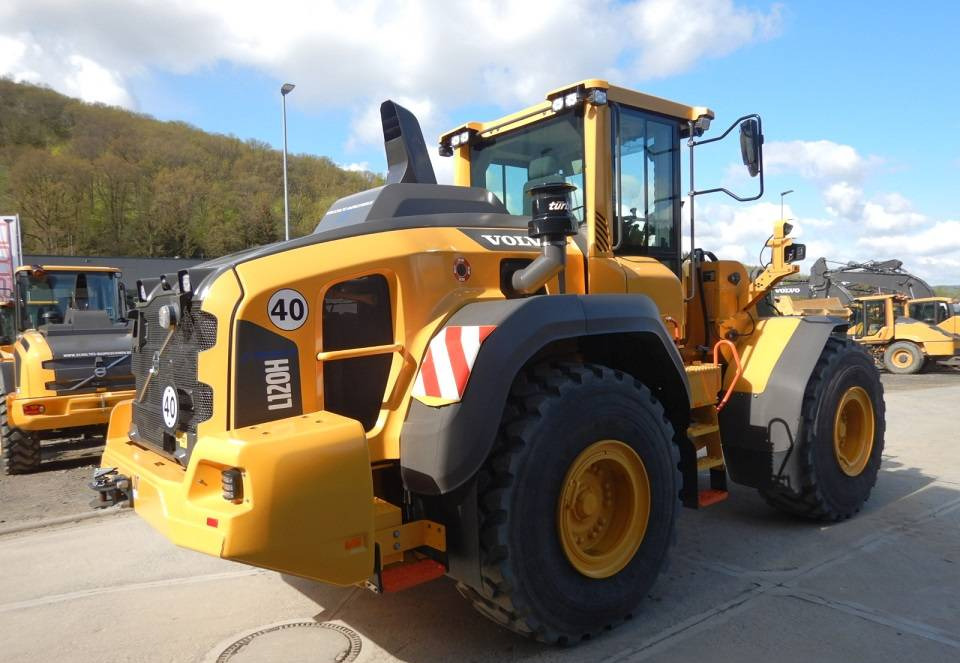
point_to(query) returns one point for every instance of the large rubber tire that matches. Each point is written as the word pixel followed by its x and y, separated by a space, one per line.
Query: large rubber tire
pixel 555 412
pixel 825 491
pixel 903 358
pixel 21 451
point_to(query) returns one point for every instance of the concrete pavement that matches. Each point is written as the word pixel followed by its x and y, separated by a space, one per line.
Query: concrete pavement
pixel 745 583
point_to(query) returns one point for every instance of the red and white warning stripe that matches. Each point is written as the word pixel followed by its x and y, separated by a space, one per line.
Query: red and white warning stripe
pixel 449 360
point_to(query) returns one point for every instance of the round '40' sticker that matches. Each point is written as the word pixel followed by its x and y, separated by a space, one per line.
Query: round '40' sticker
pixel 170 406
pixel 287 309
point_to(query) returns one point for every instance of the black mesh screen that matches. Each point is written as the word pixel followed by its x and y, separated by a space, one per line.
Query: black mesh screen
pixel 357 314
pixel 177 365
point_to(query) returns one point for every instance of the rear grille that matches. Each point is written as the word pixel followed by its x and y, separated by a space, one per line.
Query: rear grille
pixel 196 331
pixel 77 375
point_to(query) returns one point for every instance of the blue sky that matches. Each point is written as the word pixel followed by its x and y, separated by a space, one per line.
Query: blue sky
pixel 857 98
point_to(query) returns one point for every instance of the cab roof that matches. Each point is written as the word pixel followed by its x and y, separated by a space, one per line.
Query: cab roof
pixel 614 93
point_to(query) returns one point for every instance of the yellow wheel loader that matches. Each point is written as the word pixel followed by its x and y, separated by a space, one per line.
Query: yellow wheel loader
pixel 900 344
pixel 70 362
pixel 516 380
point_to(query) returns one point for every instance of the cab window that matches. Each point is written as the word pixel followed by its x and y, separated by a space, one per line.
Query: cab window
pixel 875 317
pixel 646 163
pixel 509 164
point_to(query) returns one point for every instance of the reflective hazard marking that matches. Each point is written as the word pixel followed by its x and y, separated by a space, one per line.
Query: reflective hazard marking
pixel 449 360
pixel 287 309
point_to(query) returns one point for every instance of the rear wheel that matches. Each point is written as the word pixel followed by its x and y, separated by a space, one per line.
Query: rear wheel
pixel 841 436
pixel 903 357
pixel 578 503
pixel 21 451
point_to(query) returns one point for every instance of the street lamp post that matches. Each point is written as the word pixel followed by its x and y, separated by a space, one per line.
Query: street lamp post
pixel 782 194
pixel 285 89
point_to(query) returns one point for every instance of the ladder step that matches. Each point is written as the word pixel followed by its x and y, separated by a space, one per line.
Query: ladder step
pixel 410 574
pixel 711 497
pixel 699 430
pixel 708 463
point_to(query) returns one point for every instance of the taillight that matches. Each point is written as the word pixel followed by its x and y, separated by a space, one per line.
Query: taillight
pixel 231 481
pixel 34 408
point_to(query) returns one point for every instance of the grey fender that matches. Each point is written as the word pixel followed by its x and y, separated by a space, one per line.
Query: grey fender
pixel 441 448
pixel 760 431
pixel 7 381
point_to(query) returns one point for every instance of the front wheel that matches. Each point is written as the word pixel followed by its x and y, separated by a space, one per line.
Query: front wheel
pixel 578 501
pixel 841 436
pixel 903 357
pixel 21 451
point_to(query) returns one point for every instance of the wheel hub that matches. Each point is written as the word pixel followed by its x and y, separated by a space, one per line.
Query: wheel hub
pixel 603 508
pixel 853 431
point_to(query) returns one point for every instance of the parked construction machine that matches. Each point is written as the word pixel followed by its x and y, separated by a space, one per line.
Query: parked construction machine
pixel 69 363
pixel 515 380
pixel 895 314
pixel 899 343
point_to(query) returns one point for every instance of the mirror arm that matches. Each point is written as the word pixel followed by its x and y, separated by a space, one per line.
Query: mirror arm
pixel 694 143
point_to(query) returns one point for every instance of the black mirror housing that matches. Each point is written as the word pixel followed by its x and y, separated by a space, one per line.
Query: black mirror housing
pixel 751 145
pixel 795 253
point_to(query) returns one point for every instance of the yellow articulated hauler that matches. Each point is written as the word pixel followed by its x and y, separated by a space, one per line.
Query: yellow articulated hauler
pixel 901 344
pixel 514 381
pixel 69 363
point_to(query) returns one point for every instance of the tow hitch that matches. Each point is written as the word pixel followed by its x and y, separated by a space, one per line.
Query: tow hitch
pixel 111 486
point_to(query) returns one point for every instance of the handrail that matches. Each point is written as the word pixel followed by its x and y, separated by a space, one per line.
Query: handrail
pixel 736 377
pixel 352 353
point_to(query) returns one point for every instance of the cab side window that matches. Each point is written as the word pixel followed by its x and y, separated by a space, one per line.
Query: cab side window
pixel 646 163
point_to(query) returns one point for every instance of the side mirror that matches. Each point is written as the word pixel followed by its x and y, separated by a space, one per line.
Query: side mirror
pixel 751 145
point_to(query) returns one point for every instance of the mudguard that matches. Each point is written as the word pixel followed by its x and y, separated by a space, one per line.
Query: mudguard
pixel 441 448
pixel 7 380
pixel 760 424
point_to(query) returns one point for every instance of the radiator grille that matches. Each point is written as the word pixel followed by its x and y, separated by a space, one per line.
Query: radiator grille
pixel 176 363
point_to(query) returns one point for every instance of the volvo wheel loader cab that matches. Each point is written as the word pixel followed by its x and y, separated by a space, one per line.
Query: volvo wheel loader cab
pixel 899 343
pixel 516 380
pixel 69 362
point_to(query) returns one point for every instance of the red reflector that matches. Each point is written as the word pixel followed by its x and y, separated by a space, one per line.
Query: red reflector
pixel 34 409
pixel 354 542
pixel 213 522
pixel 404 576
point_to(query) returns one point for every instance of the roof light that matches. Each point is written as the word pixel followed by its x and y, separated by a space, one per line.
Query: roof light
pixel 464 137
pixel 571 99
pixel 597 97
pixel 455 140
pixel 557 105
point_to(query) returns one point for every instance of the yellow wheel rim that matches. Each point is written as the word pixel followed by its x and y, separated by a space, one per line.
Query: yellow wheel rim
pixel 853 429
pixel 902 358
pixel 604 508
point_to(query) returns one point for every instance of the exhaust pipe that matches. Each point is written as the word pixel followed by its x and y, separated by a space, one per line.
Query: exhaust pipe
pixel 551 224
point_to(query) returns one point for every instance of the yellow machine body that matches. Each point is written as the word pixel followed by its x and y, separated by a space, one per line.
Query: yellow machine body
pixel 316 494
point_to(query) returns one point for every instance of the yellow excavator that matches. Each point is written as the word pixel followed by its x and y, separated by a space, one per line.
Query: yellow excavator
pixel 515 381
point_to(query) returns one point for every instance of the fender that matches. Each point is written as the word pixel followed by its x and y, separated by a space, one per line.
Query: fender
pixel 7 382
pixel 760 425
pixel 441 448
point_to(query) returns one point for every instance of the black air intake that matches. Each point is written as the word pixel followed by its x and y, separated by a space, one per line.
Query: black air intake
pixel 407 157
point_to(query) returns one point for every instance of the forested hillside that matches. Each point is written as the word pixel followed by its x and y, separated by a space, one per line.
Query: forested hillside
pixel 92 179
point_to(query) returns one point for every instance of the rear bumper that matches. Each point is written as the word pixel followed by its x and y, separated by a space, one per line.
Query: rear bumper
pixel 307 505
pixel 64 411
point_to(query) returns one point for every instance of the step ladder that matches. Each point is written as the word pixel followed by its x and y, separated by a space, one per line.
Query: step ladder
pixel 704 430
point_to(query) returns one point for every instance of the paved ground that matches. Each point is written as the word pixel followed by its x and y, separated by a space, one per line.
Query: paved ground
pixel 745 583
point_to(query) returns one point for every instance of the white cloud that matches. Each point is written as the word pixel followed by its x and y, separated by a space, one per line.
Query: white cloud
pixel 347 54
pixel 362 166
pixel 817 160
